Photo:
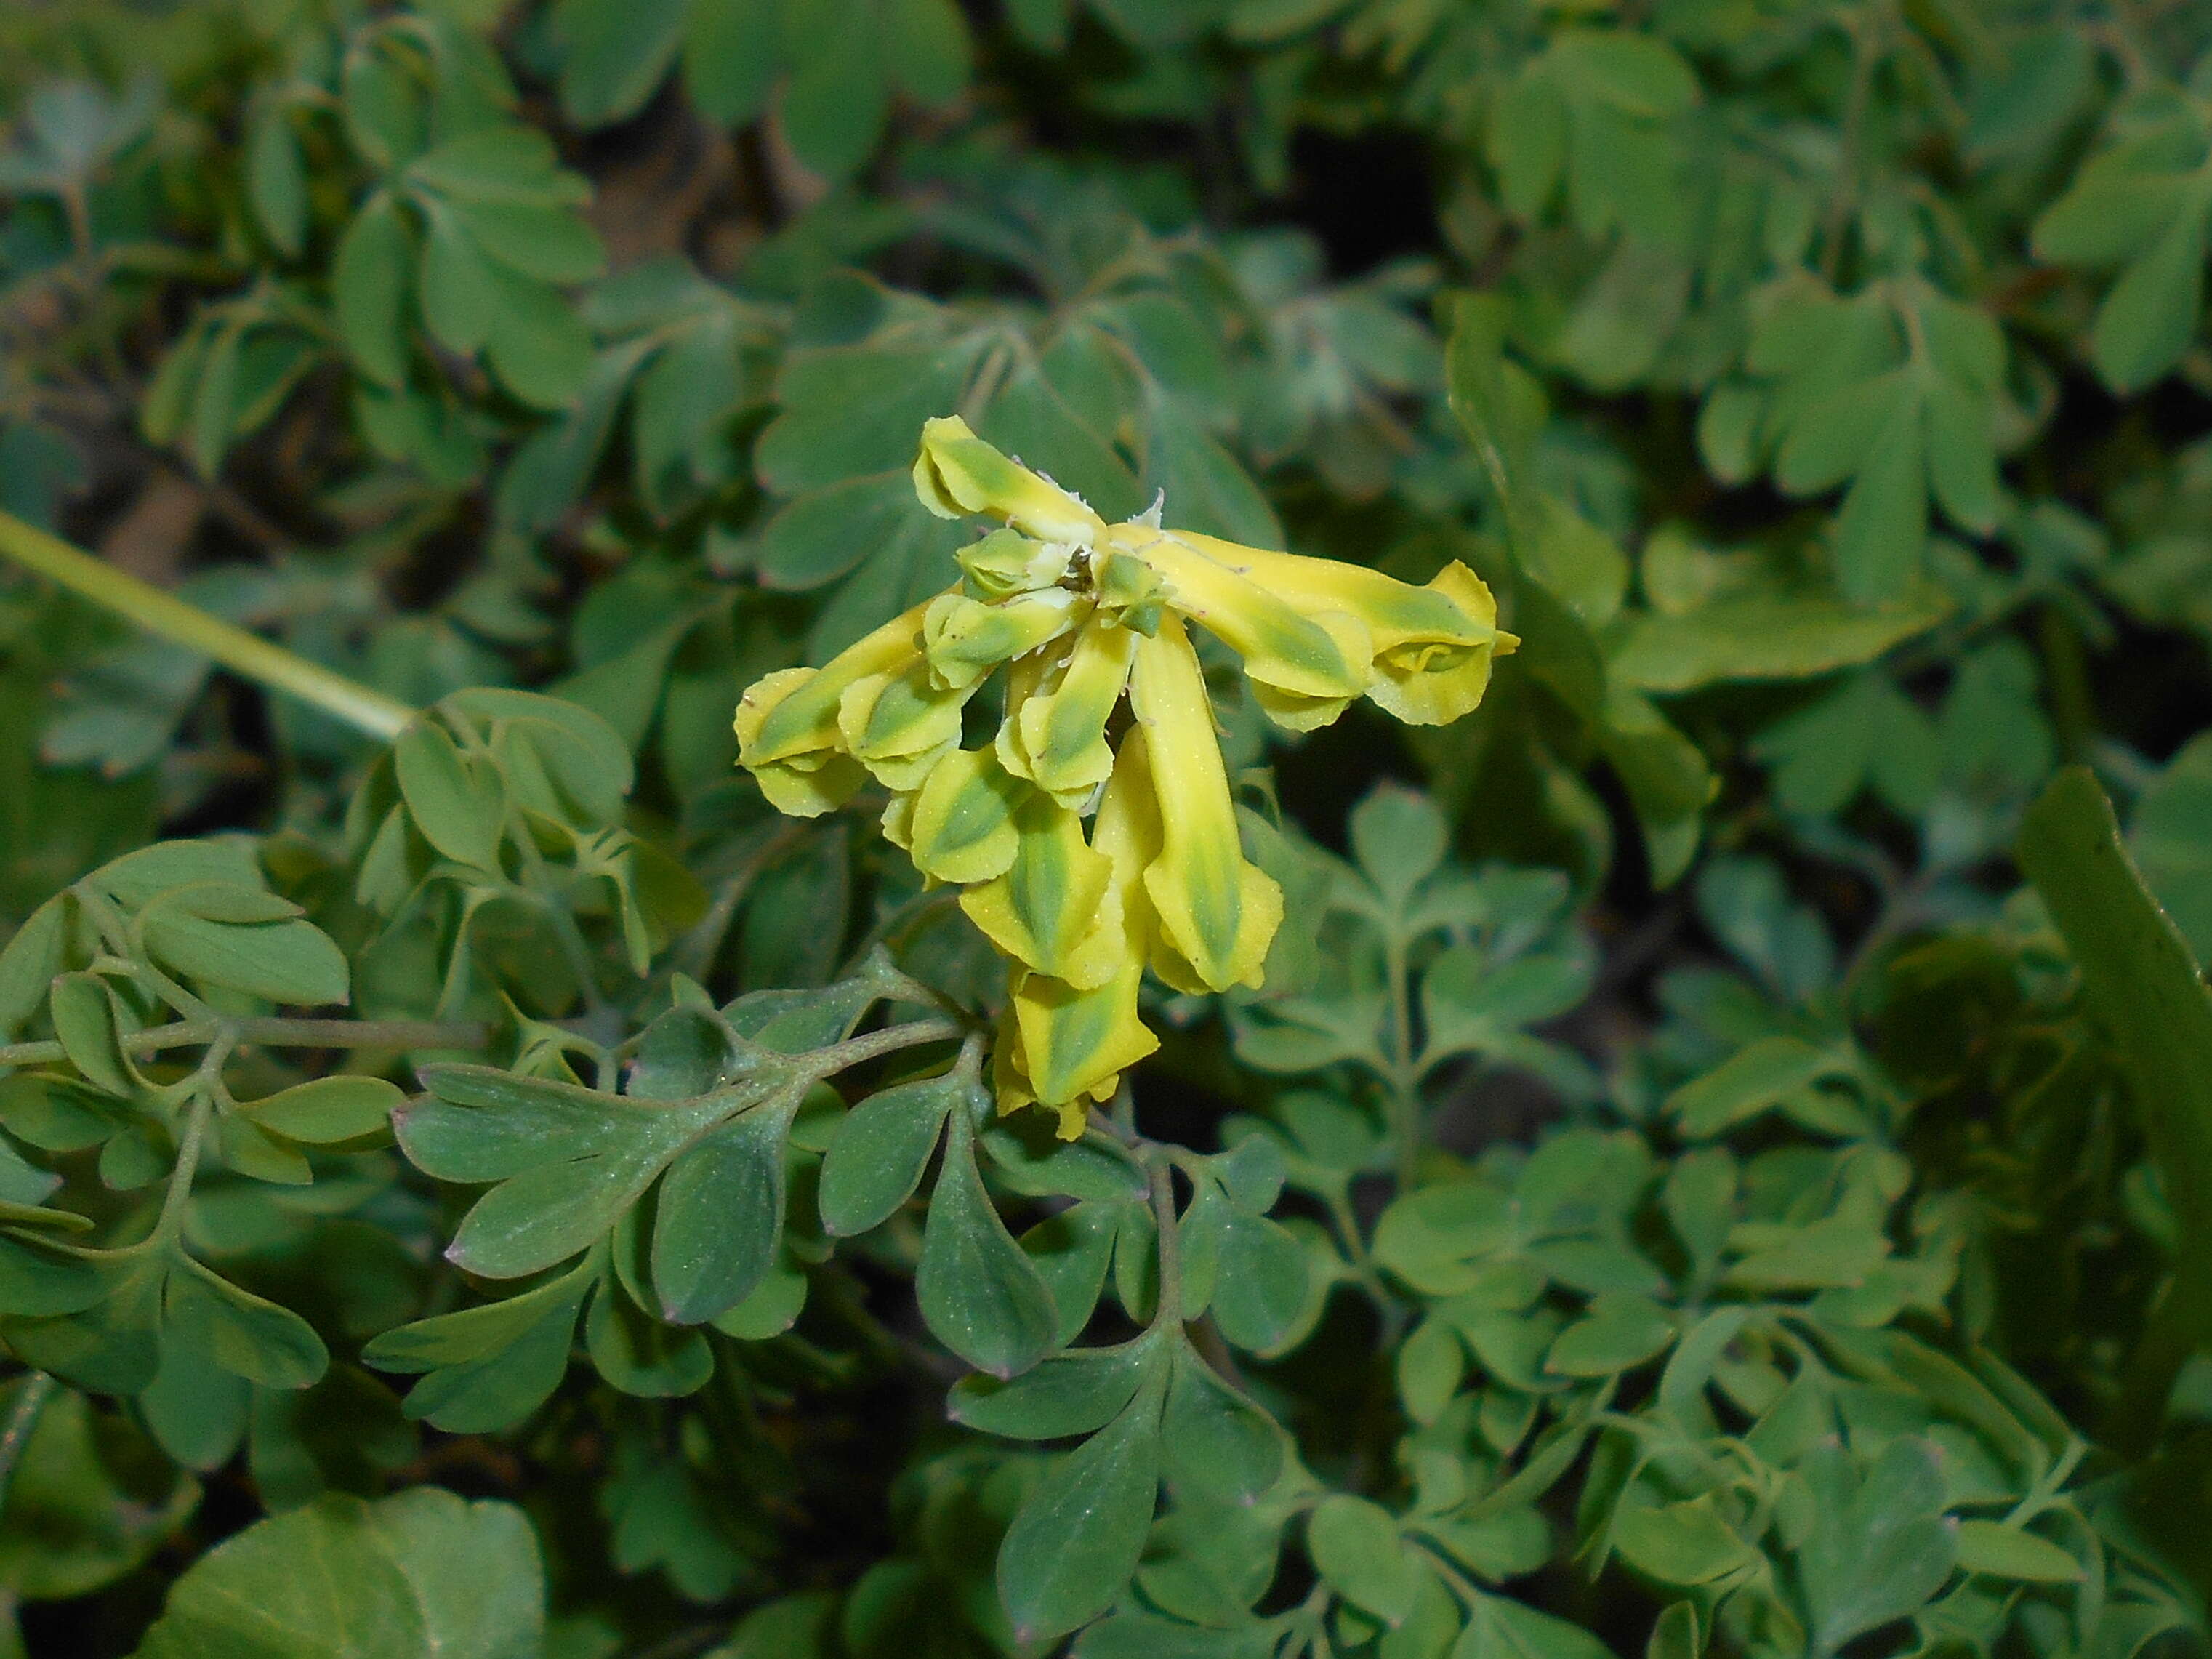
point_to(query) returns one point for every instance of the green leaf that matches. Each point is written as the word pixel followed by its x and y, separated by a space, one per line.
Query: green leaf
pixel 423 1575
pixel 1498 1627
pixel 730 57
pixel 369 287
pixel 491 1366
pixel 1883 526
pixel 2141 982
pixel 1355 1546
pixel 1617 1333
pixel 1752 1081
pixel 1431 1365
pixel 2148 320
pixel 2003 1551
pixel 614 53
pixel 1683 1544
pixel 640 1355
pixel 980 1294
pixel 1880 1546
pixel 289 962
pixel 1065 1393
pixel 1265 1283
pixel 1217 1440
pixel 771 1309
pixel 1074 1542
pixel 276 177
pixel 1399 837
pixel 719 1216
pixel 2170 835
pixel 327 1110
pixel 839 92
pixel 240 1332
pixel 1765 637
pixel 83 1011
pixel 459 802
pixel 879 1148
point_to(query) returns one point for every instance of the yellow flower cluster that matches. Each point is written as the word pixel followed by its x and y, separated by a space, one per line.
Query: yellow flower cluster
pixel 1081 613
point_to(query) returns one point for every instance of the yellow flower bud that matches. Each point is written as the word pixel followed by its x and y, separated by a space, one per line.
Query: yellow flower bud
pixel 965 639
pixel 1006 562
pixel 956 472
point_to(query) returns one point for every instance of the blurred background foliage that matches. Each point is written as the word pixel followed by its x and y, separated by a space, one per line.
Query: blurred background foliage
pixel 1675 1188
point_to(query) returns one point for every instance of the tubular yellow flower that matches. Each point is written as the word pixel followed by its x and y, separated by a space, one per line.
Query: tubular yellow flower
pixel 1217 909
pixel 900 726
pixel 1433 645
pixel 957 473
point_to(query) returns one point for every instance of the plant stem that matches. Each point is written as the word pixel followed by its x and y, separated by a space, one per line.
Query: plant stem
pixel 277 1034
pixel 1865 52
pixel 163 613
pixel 171 1221
pixel 1403 1076
pixel 1169 1312
pixel 15 1434
pixel 854 1050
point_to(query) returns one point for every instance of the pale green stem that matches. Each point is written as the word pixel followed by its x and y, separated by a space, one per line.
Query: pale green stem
pixel 163 613
pixel 1403 1076
pixel 276 1034
pixel 22 1417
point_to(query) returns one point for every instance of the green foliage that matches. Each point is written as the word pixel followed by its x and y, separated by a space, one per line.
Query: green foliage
pixel 1716 1161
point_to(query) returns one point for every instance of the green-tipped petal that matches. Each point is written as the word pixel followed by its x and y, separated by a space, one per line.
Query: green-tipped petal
pixel 810 778
pixel 1045 911
pixel 1075 1044
pixel 900 726
pixel 962 829
pixel 965 639
pixel 1219 911
pixel 1059 729
pixel 957 473
pixel 1130 592
pixel 899 819
pixel 1314 661
pixel 1432 682
pixel 822 785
